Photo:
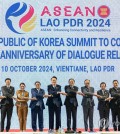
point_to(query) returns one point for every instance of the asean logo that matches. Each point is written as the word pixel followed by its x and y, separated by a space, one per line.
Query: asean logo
pixel 20 18
pixel 103 11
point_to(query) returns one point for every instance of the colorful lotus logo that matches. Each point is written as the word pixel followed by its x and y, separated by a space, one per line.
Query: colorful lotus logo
pixel 26 21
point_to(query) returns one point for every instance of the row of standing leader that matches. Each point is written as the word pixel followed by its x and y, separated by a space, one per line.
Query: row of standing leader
pixel 54 104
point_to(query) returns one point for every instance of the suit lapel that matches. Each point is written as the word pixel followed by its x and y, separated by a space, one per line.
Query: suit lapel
pixel 53 87
pixel 116 90
pixel 88 89
pixel 36 90
pixel 8 89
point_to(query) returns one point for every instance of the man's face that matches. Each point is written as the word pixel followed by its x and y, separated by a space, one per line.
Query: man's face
pixel 8 82
pixel 37 85
pixel 103 86
pixel 87 83
pixel 71 82
pixel 115 84
pixel 22 87
pixel 54 81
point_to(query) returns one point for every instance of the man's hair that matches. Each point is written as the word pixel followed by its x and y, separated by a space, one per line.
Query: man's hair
pixel 102 83
pixel 71 79
pixel 86 80
pixel 115 80
pixel 54 77
pixel 7 79
pixel 22 83
pixel 37 82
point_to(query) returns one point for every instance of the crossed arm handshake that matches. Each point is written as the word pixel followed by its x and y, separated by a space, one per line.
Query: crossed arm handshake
pixel 22 98
pixel 66 94
pixel 102 97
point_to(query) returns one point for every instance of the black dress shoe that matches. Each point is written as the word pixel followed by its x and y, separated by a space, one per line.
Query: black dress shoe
pixel 79 132
pixel 91 130
pixel 74 130
pixel 106 129
pixel 7 130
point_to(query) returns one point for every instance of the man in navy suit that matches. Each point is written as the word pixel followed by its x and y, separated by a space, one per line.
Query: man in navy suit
pixel 54 104
pixel 37 106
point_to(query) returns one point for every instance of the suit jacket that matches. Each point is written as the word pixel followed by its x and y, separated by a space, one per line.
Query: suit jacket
pixel 55 99
pixel 115 102
pixel 102 104
pixel 8 93
pixel 71 96
pixel 0 104
pixel 88 98
pixel 39 97
pixel 19 94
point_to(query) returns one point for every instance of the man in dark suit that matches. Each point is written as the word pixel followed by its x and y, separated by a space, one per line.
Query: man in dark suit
pixel 88 104
pixel 115 105
pixel 54 104
pixel 103 106
pixel 7 104
pixel 37 106
pixel 71 104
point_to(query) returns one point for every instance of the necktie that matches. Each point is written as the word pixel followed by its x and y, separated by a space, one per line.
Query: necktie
pixel 8 87
pixel 39 102
pixel 103 92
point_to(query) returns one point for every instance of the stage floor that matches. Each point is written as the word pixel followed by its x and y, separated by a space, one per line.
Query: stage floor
pixel 59 133
pixel 29 131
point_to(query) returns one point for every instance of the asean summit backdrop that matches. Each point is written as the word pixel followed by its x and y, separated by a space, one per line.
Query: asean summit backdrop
pixel 50 35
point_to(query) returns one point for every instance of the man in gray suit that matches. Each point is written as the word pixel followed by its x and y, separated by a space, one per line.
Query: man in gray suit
pixel 88 104
pixel 7 104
